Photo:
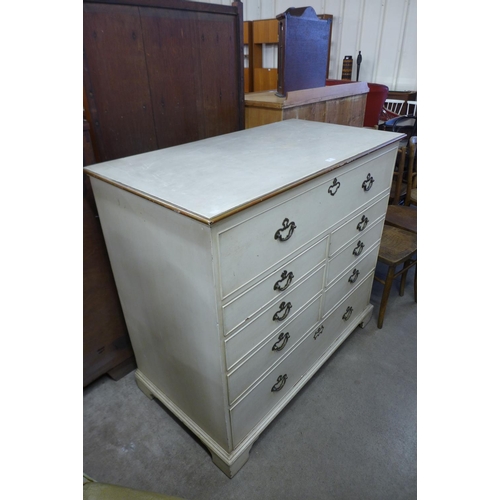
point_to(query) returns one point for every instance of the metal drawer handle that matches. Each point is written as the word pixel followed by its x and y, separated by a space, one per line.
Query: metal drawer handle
pixel 334 187
pixel 280 383
pixel 359 248
pixel 354 276
pixel 363 223
pixel 347 313
pixel 318 332
pixel 282 338
pixel 286 225
pixel 284 276
pixel 286 307
pixel 368 183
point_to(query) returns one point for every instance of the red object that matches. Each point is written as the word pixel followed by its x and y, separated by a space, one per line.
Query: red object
pixel 374 101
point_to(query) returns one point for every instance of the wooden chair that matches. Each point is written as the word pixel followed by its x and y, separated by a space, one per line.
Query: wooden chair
pixel 398 247
pixel 398 188
pixel 411 191
pixel 403 216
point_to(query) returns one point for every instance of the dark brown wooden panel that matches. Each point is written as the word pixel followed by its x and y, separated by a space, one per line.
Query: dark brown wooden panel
pixel 116 81
pixel 194 91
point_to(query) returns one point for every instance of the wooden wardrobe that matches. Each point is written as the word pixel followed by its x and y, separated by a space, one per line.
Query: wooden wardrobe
pixel 156 73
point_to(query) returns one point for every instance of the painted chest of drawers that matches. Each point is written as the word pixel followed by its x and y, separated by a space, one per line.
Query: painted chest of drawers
pixel 242 262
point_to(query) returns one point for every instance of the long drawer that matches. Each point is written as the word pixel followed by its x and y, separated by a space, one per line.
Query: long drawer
pixel 243 309
pixel 272 350
pixel 275 317
pixel 277 384
pixel 250 247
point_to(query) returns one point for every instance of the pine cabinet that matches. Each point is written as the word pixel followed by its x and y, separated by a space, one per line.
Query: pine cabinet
pixel 242 262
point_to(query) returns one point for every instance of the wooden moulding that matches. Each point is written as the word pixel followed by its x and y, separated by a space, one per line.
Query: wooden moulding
pixel 269 99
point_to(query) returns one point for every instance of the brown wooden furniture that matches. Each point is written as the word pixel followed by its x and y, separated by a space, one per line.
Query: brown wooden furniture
pixel 304 49
pixel 411 195
pixel 156 73
pixel 248 56
pixel 398 215
pixel 398 187
pixel 340 104
pixel 106 344
pixel 264 31
pixel 397 248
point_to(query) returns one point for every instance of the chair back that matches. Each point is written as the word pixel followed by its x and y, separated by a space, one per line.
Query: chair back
pixel 395 106
pixel 397 191
pixel 412 170
pixel 411 108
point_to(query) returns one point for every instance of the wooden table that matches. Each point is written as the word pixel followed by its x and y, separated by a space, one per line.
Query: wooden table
pixel 342 104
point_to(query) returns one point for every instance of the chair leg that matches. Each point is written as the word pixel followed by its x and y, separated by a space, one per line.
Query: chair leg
pixel 403 279
pixel 415 283
pixel 385 296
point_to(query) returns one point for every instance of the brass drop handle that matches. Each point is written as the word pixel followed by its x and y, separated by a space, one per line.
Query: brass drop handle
pixel 354 276
pixel 291 226
pixel 284 276
pixel 318 332
pixel 334 187
pixel 283 307
pixel 347 313
pixel 283 337
pixel 368 183
pixel 359 248
pixel 363 223
pixel 280 383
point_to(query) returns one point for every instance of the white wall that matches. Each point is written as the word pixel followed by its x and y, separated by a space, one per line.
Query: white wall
pixel 385 31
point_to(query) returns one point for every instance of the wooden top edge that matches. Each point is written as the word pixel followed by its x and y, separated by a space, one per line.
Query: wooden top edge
pixel 224 215
pixel 269 99
pixel 172 5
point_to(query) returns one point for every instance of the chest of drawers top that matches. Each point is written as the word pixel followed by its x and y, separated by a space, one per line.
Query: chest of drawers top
pixel 211 179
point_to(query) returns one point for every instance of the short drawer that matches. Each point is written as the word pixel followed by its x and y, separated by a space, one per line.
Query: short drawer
pixel 358 225
pixel 349 280
pixel 274 318
pixel 354 251
pixel 272 350
pixel 348 311
pixel 252 246
pixel 243 308
pixel 280 381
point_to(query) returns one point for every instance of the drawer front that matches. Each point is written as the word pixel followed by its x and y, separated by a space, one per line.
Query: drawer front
pixel 280 381
pixel 349 280
pixel 252 246
pixel 243 309
pixel 272 350
pixel 357 226
pixel 274 318
pixel 354 251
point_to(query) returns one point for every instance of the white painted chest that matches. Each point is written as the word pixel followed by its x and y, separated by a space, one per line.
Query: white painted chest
pixel 242 262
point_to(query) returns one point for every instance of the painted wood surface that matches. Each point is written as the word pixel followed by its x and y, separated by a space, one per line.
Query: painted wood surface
pixel 227 173
pixel 176 276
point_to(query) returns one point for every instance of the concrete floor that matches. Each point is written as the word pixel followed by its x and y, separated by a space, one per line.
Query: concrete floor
pixel 350 433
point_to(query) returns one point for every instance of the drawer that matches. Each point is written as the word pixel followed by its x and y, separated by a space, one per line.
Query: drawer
pixel 358 225
pixel 268 323
pixel 270 391
pixel 272 350
pixel 243 308
pixel 348 281
pixel 252 246
pixel 356 249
